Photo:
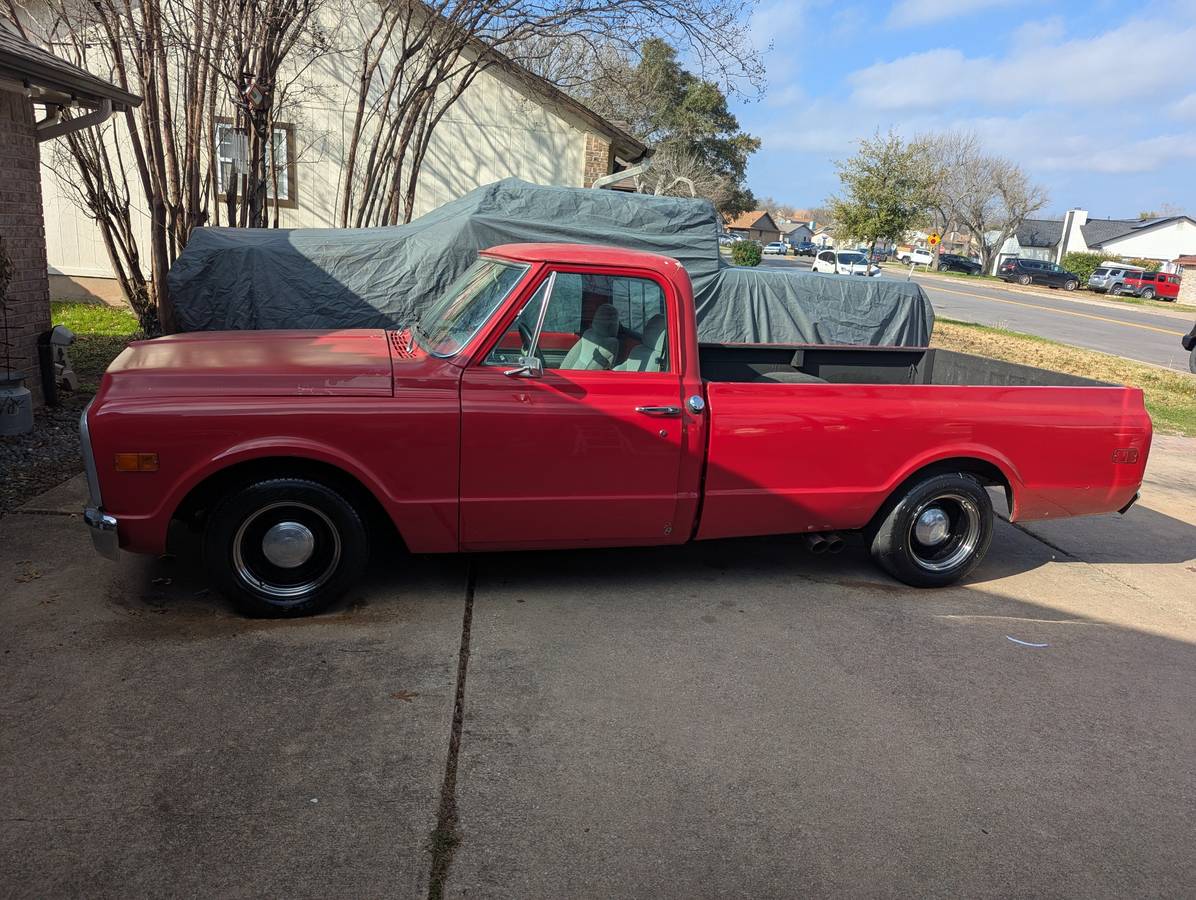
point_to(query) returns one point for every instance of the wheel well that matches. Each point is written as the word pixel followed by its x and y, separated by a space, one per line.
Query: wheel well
pixel 200 499
pixel 985 472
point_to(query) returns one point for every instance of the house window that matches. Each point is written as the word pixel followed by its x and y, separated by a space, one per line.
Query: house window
pixel 232 151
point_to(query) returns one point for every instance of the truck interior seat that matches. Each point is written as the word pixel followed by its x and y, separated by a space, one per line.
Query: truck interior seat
pixel 598 345
pixel 649 355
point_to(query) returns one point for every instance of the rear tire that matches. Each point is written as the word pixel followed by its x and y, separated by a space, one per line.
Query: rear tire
pixel 942 267
pixel 1147 294
pixel 934 533
pixel 1023 279
pixel 284 547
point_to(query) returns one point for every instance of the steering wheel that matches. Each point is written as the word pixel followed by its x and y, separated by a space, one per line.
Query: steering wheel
pixel 525 335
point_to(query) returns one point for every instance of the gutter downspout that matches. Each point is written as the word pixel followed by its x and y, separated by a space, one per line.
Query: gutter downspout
pixel 51 128
pixel 613 177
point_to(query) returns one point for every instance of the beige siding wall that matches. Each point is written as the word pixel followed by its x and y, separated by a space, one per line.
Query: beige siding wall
pixel 497 129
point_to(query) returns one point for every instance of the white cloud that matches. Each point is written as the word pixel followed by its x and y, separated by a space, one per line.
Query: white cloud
pixel 1184 108
pixel 910 13
pixel 1081 72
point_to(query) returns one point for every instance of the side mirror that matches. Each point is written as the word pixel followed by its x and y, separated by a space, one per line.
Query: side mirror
pixel 529 367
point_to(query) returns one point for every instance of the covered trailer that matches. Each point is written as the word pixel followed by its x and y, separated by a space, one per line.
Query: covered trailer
pixel 237 278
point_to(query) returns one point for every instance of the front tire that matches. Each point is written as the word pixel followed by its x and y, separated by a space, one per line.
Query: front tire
pixel 936 532
pixel 1070 285
pixel 284 547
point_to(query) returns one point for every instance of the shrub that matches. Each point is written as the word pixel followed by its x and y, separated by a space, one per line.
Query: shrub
pixel 745 253
pixel 1083 264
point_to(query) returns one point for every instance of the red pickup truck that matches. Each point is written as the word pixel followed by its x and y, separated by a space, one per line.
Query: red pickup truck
pixel 557 396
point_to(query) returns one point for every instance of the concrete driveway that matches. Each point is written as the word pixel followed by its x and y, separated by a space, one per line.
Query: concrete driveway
pixel 736 719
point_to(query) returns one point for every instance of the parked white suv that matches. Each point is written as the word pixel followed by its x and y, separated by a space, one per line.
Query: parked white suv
pixel 917 255
pixel 844 262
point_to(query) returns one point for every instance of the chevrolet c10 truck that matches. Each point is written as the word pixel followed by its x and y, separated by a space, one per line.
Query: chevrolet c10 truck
pixel 556 396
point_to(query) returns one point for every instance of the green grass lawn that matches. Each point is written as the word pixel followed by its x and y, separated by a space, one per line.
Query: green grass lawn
pixel 101 333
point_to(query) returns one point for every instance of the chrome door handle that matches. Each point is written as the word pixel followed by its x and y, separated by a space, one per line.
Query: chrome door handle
pixel 659 410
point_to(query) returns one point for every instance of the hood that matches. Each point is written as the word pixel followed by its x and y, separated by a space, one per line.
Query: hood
pixel 350 363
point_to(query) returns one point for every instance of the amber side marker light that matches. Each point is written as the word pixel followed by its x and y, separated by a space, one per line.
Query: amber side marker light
pixel 137 462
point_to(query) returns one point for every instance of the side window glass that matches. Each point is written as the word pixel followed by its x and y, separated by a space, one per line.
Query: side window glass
pixel 593 323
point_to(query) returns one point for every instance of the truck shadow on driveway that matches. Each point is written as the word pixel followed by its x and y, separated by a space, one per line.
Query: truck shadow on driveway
pixel 177 582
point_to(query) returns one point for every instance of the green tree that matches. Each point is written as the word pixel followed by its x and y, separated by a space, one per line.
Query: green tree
pixel 699 147
pixel 887 190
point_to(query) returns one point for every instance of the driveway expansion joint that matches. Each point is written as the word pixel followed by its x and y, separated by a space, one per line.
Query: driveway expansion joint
pixel 445 837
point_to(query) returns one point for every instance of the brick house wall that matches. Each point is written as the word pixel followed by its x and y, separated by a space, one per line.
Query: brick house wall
pixel 599 159
pixel 24 233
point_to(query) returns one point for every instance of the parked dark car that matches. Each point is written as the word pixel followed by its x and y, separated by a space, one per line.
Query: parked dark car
pixel 1189 342
pixel 1037 271
pixel 879 256
pixel 953 262
pixel 805 248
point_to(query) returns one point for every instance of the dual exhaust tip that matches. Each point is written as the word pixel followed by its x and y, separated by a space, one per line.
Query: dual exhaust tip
pixel 830 542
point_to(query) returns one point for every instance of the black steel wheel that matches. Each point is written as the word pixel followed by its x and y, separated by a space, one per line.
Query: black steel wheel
pixel 285 547
pixel 935 532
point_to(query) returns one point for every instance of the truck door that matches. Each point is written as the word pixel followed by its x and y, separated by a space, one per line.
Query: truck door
pixel 587 450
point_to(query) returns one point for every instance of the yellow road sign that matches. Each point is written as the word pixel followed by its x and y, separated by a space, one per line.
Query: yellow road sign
pixel 933 239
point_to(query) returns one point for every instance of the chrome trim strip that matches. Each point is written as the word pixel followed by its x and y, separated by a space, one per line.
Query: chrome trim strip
pixel 89 462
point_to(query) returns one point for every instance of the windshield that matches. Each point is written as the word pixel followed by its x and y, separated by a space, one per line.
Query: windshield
pixel 452 321
pixel 851 259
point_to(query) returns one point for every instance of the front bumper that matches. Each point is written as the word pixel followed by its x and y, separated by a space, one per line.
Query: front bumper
pixel 103 532
pixel 102 526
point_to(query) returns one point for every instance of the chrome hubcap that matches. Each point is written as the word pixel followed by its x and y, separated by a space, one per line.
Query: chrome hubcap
pixel 288 544
pixel 945 532
pixel 933 527
pixel 286 550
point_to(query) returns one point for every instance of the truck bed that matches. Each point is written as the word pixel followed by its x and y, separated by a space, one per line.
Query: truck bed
pixel 748 363
pixel 815 438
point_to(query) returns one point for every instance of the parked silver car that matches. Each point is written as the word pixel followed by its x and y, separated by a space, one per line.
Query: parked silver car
pixel 1109 277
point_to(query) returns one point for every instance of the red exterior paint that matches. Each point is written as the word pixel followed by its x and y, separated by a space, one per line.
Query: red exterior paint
pixel 463 457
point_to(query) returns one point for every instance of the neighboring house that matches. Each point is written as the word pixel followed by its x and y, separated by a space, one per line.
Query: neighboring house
pixel 824 236
pixel 508 123
pixel 1162 239
pixel 756 225
pixel 796 232
pixel 29 76
pixel 1186 266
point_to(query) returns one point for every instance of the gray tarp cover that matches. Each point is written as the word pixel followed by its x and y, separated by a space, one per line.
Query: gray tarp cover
pixel 236 278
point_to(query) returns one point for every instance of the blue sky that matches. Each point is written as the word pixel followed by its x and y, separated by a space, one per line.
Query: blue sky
pixel 1097 100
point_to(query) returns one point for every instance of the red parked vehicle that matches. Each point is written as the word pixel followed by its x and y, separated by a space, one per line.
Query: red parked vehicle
pixel 1152 285
pixel 557 396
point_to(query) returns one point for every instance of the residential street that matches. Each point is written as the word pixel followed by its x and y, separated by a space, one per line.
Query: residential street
pixel 726 719
pixel 1121 329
